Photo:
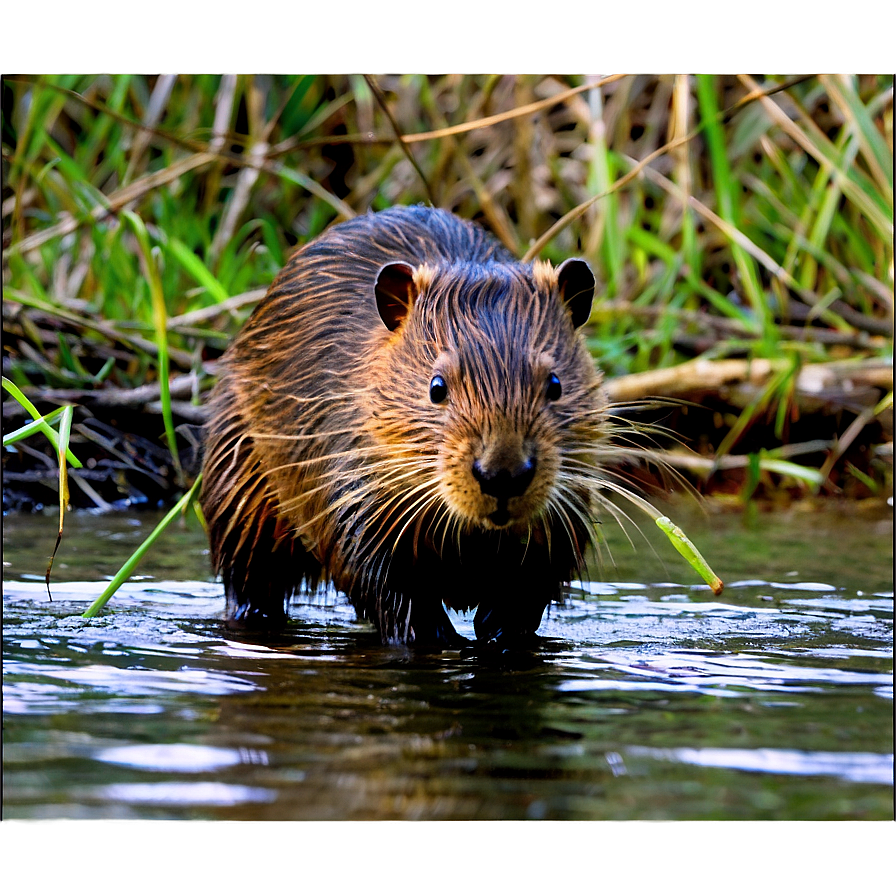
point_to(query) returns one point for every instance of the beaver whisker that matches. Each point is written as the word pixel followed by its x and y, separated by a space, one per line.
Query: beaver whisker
pixel 607 457
pixel 379 508
pixel 653 432
pixel 614 416
pixel 376 502
pixel 560 507
pixel 332 479
pixel 570 499
pixel 386 483
pixel 421 505
pixel 363 496
pixel 630 496
pixel 451 522
pixel 528 539
pixel 389 500
pixel 317 435
pixel 618 516
pixel 294 504
pixel 614 509
pixel 302 499
pixel 406 503
pixel 643 457
pixel 615 455
pixel 379 576
pixel 317 459
pixel 454 527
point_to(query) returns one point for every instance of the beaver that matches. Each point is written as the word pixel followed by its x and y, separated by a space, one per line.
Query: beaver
pixel 410 414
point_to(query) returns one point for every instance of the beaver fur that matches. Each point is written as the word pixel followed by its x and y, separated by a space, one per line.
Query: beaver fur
pixel 411 414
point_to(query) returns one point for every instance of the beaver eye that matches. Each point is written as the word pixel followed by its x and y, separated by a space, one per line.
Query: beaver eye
pixel 555 390
pixel 438 390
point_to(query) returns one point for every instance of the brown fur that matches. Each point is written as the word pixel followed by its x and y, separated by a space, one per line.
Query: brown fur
pixel 327 460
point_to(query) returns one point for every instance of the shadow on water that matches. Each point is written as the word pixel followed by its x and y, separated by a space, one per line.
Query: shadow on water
pixel 647 698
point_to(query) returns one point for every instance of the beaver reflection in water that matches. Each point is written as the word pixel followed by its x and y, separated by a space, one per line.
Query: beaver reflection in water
pixel 411 414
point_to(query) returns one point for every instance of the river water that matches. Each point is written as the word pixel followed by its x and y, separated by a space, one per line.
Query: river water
pixel 649 698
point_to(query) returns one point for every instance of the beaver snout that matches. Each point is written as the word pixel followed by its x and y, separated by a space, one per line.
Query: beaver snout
pixel 505 483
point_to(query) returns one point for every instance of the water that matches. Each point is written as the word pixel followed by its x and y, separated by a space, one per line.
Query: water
pixel 649 699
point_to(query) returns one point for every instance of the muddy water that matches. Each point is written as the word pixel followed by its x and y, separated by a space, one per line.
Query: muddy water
pixel 649 697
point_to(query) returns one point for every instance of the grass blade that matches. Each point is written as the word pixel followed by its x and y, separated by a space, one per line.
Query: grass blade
pixel 727 191
pixel 160 321
pixel 39 421
pixel 127 570
pixel 65 428
pixel 23 432
pixel 876 151
pixel 196 269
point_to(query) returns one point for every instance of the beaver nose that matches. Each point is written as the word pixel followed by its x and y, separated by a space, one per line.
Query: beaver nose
pixel 504 483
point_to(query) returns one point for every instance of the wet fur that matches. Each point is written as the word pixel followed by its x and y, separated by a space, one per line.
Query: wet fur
pixel 326 460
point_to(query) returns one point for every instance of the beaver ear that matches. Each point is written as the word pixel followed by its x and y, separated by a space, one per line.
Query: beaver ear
pixel 395 292
pixel 576 284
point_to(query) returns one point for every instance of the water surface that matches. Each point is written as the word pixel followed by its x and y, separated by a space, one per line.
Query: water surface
pixel 649 698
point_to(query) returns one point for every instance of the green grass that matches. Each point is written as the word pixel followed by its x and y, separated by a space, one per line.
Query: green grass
pixel 74 145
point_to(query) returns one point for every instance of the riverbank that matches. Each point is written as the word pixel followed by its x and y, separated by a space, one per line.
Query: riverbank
pixel 741 231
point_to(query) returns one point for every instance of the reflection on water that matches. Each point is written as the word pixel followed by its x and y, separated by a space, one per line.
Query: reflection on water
pixel 868 768
pixel 648 698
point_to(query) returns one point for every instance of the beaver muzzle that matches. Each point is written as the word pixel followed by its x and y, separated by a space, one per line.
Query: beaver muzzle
pixel 503 484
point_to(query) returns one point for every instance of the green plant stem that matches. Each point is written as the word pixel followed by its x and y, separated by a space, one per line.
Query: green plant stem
pixel 127 570
pixel 65 428
pixel 160 320
pixel 686 548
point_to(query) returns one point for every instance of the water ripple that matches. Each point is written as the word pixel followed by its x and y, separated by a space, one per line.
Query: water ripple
pixel 860 768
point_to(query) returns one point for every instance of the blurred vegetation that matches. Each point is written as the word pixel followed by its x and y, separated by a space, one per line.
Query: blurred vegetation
pixel 741 229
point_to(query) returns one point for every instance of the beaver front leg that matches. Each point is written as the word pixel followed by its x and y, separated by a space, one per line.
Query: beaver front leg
pixel 509 621
pixel 260 578
pixel 419 620
pixel 432 627
pixel 260 563
pixel 512 603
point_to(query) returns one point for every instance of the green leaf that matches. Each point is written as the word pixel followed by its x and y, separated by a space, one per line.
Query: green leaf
pixel 40 422
pixel 194 266
pixel 23 432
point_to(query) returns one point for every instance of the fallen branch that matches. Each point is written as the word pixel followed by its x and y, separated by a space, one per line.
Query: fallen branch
pixel 110 397
pixel 701 375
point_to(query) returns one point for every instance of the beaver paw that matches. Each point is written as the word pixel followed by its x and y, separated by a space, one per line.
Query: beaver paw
pixel 257 619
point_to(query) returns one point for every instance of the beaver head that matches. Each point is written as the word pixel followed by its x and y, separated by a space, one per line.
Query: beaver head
pixel 486 401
